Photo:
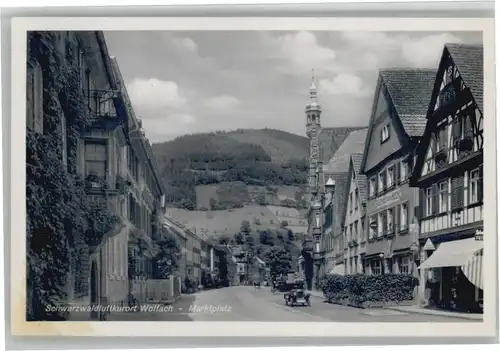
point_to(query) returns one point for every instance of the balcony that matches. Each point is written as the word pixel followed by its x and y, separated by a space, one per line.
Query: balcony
pixel 106 108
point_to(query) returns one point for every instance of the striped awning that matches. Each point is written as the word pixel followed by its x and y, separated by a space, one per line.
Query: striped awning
pixel 465 253
pixel 473 269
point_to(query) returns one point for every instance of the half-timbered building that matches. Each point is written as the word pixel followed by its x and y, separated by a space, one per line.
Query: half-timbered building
pixel 449 173
pixel 396 126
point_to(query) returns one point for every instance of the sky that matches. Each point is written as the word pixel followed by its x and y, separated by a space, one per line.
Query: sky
pixel 204 81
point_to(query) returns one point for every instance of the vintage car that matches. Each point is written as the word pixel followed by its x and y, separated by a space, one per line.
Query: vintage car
pixel 297 295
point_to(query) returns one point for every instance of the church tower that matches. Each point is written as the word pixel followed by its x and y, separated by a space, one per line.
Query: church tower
pixel 313 127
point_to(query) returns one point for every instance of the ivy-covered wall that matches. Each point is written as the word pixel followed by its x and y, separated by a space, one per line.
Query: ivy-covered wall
pixel 62 227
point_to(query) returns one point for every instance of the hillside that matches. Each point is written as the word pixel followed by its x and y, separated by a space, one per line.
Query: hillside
pixel 228 222
pixel 223 170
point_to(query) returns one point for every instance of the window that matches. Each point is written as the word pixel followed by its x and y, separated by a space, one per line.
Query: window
pixel 390 176
pixel 356 199
pixel 381 181
pixel 443 197
pixel 351 202
pixel 390 221
pixel 404 265
pixel 95 158
pixel 34 113
pixel 428 201
pixel 403 225
pixel 403 173
pixel 382 221
pixel 356 231
pixel 372 186
pixel 376 267
pixel 384 133
pixel 363 234
pixel 441 139
pixel 83 70
pixel 350 233
pixel 473 186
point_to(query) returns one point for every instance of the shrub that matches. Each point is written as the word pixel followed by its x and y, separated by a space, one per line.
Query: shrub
pixel 360 288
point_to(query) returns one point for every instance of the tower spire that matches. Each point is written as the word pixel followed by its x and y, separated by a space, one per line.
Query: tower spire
pixel 312 89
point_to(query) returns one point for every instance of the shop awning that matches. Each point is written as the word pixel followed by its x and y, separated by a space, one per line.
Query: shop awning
pixel 455 253
pixel 338 270
pixel 473 269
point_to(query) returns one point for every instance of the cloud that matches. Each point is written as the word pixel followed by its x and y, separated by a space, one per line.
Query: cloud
pixel 426 51
pixel 222 103
pixel 155 94
pixel 186 44
pixel 176 90
pixel 303 52
pixel 348 84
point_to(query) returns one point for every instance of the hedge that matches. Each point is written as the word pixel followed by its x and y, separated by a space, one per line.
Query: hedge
pixel 360 289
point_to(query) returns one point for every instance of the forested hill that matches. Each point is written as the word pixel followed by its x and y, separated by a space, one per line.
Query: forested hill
pixel 222 170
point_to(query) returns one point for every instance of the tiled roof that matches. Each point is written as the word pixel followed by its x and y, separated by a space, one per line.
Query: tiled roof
pixel 360 178
pixel 330 140
pixel 410 91
pixel 339 200
pixel 354 143
pixel 469 61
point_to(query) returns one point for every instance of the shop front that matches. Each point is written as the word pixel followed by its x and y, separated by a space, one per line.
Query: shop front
pixel 452 274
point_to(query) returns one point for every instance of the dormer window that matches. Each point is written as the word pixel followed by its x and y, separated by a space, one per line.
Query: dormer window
pixel 384 133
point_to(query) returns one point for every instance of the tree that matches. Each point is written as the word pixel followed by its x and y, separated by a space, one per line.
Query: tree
pixel 224 240
pixel 279 261
pixel 264 237
pixel 245 227
pixel 167 259
pixel 238 238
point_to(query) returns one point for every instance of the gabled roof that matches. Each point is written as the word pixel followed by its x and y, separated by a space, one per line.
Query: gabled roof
pixel 330 140
pixel 337 169
pixel 354 143
pixel 360 178
pixel 468 60
pixel 409 91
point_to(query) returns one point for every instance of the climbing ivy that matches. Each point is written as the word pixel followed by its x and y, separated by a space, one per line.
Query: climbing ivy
pixel 59 219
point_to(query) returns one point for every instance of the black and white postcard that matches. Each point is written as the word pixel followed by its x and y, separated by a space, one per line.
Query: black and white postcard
pixel 253 177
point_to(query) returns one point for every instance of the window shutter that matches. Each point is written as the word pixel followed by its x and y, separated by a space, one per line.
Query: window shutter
pixel 382 134
pixel 454 193
pixel 398 173
pixel 434 198
pixel 460 186
pixel 480 184
pixel 421 200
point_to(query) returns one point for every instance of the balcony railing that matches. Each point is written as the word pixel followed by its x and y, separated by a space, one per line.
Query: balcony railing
pixel 102 103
